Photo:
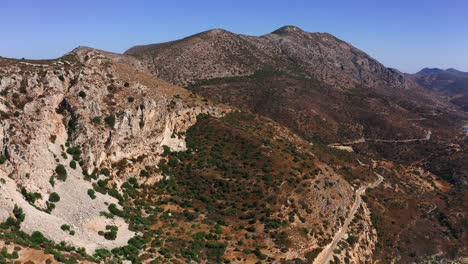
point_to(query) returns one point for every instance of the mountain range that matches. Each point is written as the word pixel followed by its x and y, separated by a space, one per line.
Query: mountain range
pixel 290 147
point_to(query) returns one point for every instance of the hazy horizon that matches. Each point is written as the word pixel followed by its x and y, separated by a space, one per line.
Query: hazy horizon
pixel 429 34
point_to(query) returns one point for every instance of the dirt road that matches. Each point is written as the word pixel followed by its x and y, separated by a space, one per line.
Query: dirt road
pixel 326 254
pixel 362 140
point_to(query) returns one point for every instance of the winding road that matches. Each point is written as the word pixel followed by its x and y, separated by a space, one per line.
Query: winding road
pixel 362 140
pixel 327 253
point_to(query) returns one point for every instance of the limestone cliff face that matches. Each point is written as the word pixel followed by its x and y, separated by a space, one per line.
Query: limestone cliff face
pixel 119 118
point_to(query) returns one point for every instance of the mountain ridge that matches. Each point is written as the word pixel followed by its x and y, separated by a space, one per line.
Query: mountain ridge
pixel 289 48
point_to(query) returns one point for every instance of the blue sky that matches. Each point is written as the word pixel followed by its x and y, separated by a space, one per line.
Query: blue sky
pixel 403 34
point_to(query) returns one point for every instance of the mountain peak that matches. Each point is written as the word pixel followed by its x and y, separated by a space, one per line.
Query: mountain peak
pixel 430 71
pixel 453 70
pixel 217 31
pixel 288 30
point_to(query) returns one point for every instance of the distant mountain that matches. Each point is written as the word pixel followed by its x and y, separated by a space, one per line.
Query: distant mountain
pixel 450 82
pixel 430 71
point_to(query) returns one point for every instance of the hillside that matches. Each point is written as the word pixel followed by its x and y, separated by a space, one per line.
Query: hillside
pixel 101 163
pixel 336 96
pixel 322 88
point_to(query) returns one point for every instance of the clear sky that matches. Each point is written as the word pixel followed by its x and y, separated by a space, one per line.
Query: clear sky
pixel 403 34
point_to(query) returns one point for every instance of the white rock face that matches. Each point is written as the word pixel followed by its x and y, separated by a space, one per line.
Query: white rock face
pixel 113 113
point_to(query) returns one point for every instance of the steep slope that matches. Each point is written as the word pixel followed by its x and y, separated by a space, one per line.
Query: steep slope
pixel 450 82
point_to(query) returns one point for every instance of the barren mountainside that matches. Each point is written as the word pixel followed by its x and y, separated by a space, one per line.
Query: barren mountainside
pixel 219 53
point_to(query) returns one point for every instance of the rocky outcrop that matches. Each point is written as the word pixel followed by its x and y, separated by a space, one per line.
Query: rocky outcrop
pixel 100 113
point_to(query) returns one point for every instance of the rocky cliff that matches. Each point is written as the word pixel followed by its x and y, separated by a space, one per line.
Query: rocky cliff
pixel 80 117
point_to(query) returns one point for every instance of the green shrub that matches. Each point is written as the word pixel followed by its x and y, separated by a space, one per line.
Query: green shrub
pixel 75 152
pixel 115 211
pixel 50 207
pixel 2 159
pixel 54 197
pixel 96 120
pixel 114 193
pixel 52 181
pixel 38 238
pixel 352 239
pixel 82 94
pixel 73 164
pixel 137 241
pixel 110 120
pixel 105 172
pixel 102 253
pixel 18 213
pixel 144 173
pixel 30 197
pixel 61 172
pixel 15 222
pixel 166 150
pixel 215 251
pixel 110 234
pixel 92 194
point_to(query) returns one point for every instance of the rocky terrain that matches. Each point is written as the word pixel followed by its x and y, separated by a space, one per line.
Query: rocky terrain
pixel 82 117
pixel 291 147
pixel 331 93
pixel 86 140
